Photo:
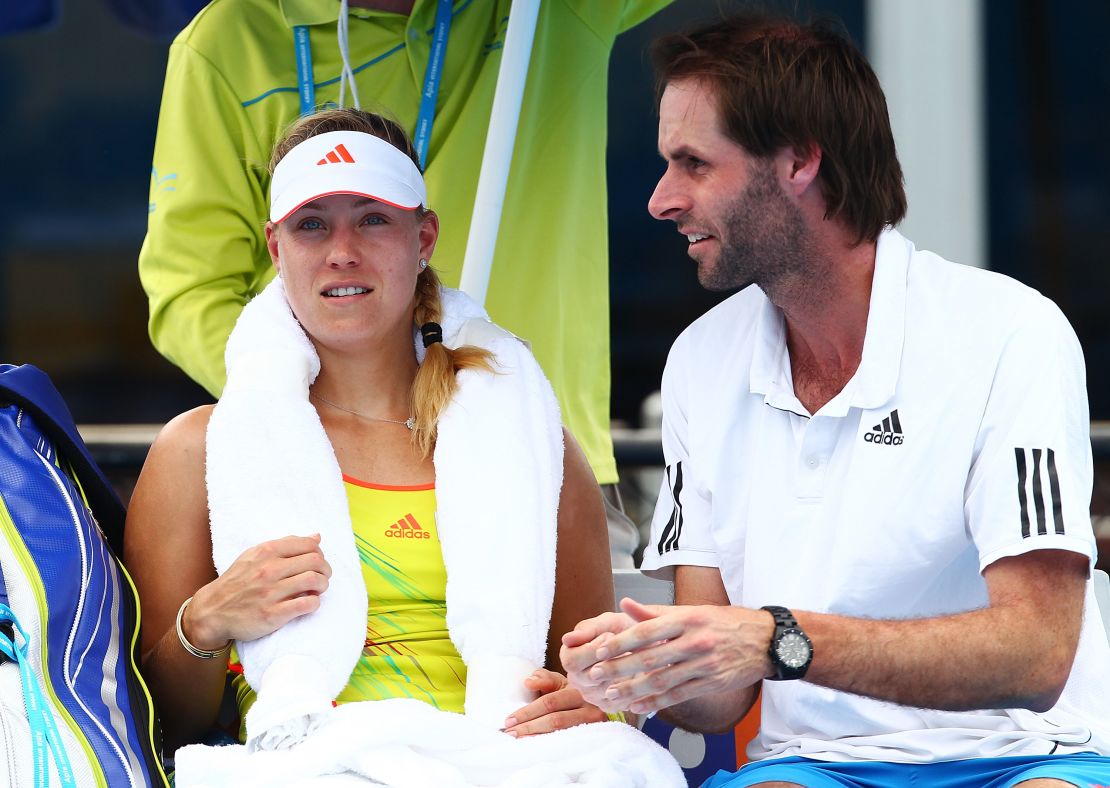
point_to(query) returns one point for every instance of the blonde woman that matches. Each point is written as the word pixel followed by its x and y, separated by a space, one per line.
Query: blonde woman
pixel 354 262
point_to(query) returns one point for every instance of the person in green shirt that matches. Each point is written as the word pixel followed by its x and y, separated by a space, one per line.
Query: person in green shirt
pixel 243 70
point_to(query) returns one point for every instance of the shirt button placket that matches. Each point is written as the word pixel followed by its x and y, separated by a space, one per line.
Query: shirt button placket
pixel 813 457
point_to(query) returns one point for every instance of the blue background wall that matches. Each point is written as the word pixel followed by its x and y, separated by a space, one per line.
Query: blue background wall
pixel 78 117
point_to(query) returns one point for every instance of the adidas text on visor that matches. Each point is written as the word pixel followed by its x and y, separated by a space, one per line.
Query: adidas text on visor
pixel 345 162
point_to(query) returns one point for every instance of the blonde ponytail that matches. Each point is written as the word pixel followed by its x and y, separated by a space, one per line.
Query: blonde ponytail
pixel 435 381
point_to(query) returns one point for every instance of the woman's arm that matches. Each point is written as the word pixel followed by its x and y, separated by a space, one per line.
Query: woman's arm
pixel 583 569
pixel 583 587
pixel 168 551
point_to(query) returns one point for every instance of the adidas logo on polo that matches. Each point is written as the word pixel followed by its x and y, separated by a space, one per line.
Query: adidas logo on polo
pixel 336 155
pixel 887 433
pixel 407 528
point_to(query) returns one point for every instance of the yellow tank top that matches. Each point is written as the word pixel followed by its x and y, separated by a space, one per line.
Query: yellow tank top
pixel 407 653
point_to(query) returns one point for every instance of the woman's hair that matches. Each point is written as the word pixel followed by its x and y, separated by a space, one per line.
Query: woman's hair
pixel 343 119
pixel 435 381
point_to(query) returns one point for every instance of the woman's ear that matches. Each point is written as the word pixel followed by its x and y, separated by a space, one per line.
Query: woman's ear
pixel 272 245
pixel 429 234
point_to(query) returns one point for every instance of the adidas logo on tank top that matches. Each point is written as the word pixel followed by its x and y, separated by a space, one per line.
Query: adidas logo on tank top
pixel 407 528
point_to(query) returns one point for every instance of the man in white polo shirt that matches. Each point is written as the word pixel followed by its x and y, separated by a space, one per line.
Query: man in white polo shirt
pixel 878 462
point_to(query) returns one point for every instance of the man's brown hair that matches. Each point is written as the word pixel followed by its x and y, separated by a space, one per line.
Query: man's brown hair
pixel 777 83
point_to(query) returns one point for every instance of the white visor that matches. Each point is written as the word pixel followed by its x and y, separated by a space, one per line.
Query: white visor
pixel 345 162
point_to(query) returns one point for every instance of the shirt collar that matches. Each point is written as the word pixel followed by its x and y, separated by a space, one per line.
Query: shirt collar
pixel 320 12
pixel 876 380
pixel 309 12
pixel 770 373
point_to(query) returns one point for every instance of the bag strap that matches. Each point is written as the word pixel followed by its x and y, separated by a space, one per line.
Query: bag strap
pixel 31 389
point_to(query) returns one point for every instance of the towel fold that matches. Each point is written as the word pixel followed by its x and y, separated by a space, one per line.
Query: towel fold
pixel 271 473
pixel 405 743
pixel 498 462
pixel 499 472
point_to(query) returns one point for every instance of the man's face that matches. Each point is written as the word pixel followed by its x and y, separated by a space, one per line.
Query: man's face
pixel 742 227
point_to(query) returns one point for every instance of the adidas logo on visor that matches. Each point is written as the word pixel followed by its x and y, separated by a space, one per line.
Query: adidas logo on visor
pixel 337 155
pixel 886 433
pixel 374 169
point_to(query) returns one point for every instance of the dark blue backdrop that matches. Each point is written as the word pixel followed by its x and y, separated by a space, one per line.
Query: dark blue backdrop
pixel 81 101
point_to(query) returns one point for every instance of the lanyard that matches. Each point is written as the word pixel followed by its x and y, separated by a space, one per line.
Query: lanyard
pixel 306 89
pixel 432 73
pixel 40 719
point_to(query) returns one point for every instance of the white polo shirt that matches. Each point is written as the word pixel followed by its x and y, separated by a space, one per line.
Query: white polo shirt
pixel 962 438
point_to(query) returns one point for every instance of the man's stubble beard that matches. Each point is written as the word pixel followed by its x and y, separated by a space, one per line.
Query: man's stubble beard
pixel 766 243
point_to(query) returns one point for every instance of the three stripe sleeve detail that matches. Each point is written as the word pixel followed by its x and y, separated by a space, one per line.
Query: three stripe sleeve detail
pixel 671 532
pixel 1024 458
pixel 1036 469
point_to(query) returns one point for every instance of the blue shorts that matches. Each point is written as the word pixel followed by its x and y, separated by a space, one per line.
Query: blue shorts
pixel 1085 770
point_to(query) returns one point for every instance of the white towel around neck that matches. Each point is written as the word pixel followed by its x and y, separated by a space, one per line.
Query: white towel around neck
pixel 271 473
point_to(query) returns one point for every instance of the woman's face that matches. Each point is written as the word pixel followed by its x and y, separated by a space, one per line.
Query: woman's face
pixel 350 265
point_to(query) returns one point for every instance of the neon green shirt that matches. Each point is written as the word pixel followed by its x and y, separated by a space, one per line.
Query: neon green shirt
pixel 231 87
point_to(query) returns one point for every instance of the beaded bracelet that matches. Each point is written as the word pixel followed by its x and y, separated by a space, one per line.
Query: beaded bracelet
pixel 199 653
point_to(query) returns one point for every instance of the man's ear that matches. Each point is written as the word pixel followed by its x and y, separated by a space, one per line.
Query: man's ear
pixel 272 246
pixel 798 166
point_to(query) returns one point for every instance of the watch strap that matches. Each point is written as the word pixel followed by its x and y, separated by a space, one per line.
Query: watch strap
pixel 784 619
pixel 785 623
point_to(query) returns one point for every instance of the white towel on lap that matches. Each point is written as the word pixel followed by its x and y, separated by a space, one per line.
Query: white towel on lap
pixel 498 460
pixel 408 744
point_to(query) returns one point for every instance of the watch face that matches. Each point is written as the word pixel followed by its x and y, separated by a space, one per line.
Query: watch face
pixel 793 650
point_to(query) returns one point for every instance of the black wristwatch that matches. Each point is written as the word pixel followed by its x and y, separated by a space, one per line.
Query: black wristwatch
pixel 791 651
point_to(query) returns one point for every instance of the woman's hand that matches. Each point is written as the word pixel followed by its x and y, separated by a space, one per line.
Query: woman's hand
pixel 266 587
pixel 559 706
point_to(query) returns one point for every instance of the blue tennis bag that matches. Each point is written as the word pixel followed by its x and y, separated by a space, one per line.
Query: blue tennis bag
pixel 74 710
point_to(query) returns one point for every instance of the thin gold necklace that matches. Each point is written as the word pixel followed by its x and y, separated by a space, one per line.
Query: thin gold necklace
pixel 410 422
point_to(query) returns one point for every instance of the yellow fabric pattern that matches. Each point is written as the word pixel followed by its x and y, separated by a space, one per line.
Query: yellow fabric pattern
pixel 408 652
